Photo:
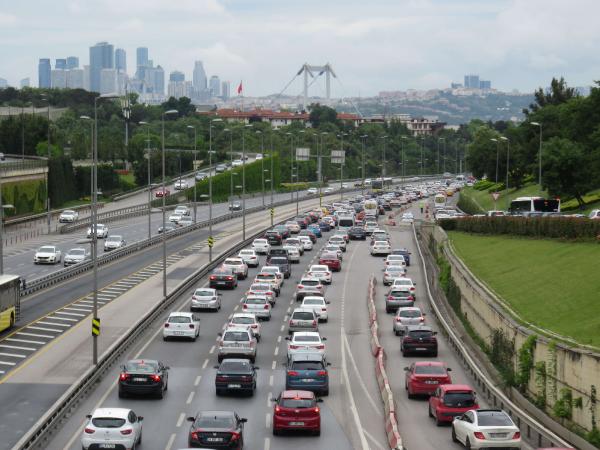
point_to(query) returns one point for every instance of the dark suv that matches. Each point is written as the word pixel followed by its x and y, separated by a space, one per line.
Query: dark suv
pixel 282 262
pixel 357 233
pixel 419 339
pixel 274 237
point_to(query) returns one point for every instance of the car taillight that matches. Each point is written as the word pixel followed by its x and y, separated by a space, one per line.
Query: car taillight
pixel 194 436
pixel 316 410
pixel 517 435
pixel 291 322
pixel 212 277
pixel 191 325
pixel 398 319
pixel 300 286
pixel 166 325
pixel 478 435
pixel 412 288
pixel 314 323
pixel 292 373
pixel 390 297
pixel 127 431
pixel 245 306
pixel 277 409
pixel 322 373
pixel 124 377
pixel 229 278
pixel 293 347
pixel 254 326
pixel 155 378
pixel 89 431
pixel 235 436
pixel 321 347
pixel 324 309
pixel 422 319
pixel 266 306
pixel 411 298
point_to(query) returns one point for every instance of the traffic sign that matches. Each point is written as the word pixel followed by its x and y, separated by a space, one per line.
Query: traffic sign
pixel 96 327
pixel 302 154
pixel 272 212
pixel 211 241
pixel 495 195
pixel 338 156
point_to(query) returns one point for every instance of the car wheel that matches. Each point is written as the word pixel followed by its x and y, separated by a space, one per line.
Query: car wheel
pixel 438 422
pixel 218 392
pixel 429 411
pixel 160 394
pixel 317 432
pixel 268 318
pixel 276 432
pixel 434 354
pixel 454 438
pixel 140 439
pixel 165 338
pixel 325 393
pixel 468 444
pixel 122 394
pixel 396 332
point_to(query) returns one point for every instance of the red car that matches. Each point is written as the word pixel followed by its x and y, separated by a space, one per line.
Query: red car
pixel 332 261
pixel 451 400
pixel 297 410
pixel 424 377
pixel 160 193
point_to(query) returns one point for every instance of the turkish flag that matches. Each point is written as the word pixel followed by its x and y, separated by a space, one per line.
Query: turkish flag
pixel 240 88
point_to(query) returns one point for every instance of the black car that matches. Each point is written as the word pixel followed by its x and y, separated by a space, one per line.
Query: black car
pixel 277 252
pixel 235 206
pixel 283 231
pixel 274 237
pixel 404 252
pixel 282 262
pixel 419 339
pixel 168 227
pixel 356 233
pixel 222 277
pixel 143 377
pixel 217 430
pixel 235 375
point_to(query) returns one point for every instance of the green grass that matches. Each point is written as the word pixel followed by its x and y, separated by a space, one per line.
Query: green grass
pixel 484 199
pixel 591 199
pixel 554 285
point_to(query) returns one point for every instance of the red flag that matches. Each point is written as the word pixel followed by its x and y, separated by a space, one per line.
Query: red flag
pixel 240 88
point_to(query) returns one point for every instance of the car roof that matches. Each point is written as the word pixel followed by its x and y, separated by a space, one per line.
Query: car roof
pixel 419 327
pixel 142 361
pixel 205 289
pixel 215 413
pixel 244 315
pixel 237 360
pixel 321 266
pixel 180 314
pixel 298 394
pixel 120 413
pixel 300 309
pixel 306 333
pixel 236 329
pixel 430 363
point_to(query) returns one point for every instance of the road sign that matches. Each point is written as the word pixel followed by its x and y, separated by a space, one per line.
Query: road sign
pixel 302 154
pixel 272 212
pixel 211 241
pixel 338 156
pixel 96 327
pixel 495 195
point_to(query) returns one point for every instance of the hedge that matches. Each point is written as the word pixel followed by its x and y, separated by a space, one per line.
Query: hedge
pixel 28 197
pixel 564 228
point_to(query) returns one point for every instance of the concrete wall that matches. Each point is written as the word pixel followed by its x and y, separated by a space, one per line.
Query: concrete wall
pixel 577 369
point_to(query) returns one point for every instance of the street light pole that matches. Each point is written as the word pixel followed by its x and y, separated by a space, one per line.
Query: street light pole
pixel 262 166
pixel 402 139
pixel 504 138
pixel 164 202
pixel 244 182
pixel 384 137
pixel 195 150
pixel 272 174
pixel 48 176
pixel 364 139
pixel 149 178
pixel 539 124
pixel 210 172
pixel 497 160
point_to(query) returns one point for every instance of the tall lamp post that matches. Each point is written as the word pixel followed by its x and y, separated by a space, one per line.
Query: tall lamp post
pixel 364 140
pixel 230 131
pixel 504 138
pixel 384 137
pixel 2 208
pixel 438 152
pixel 148 156
pixel 210 175
pixel 262 165
pixel 539 125
pixel 341 136
pixel 497 161
pixel 191 127
pixel 244 181
pixel 402 139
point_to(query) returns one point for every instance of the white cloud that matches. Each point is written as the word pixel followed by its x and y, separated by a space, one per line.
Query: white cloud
pixel 7 20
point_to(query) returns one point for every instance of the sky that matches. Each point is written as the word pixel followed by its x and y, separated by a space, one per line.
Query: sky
pixel 372 45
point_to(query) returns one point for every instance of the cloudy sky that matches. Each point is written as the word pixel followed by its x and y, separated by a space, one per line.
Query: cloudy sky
pixel 373 45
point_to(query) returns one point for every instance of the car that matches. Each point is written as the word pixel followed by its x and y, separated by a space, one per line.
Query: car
pixel 283 230
pixel 339 241
pixel 423 377
pixel 216 430
pixel 68 216
pixel 303 319
pixel 276 270
pixel 143 377
pixel 263 289
pixel 320 272
pixel 308 286
pixel 404 252
pixel 451 400
pixel 331 260
pixel 181 325
pixel 249 256
pixel 101 231
pixel 278 252
pixel 114 242
pixel 312 191
pixel 315 229
pixel 307 371
pixel 175 217
pixel 222 277
pixel 235 205
pixel 370 227
pixel 237 163
pixel 333 248
pixel 394 260
pixel 248 321
pixel 273 237
pixel 296 243
pixel 258 305
pixel 324 226
pixel 357 233
pixel 201 176
pixel 283 263
pixel 302 341
pixel 594 214
pixel 160 193
pixel 380 248
pixel 184 221
pixel 168 227
pixel 379 235
pixel 328 190
pixel 342 233
pixel 112 428
pixel 486 428
pixel 76 256
pixel 405 284
pixel 270 278
pixel 205 298
pixel 419 339
pixel 237 266
pixel 2 157
pixel 293 253
pixel 220 168
pixel 318 304
pixel 235 375
pixel 237 342
pixel 407 217
pixel 258 157
pixel 306 241
pixel 180 185
pixel 47 254
pixel 296 410
pixel 182 210
pixel 292 226
pixel 398 298
pixel 261 246
pixel 390 273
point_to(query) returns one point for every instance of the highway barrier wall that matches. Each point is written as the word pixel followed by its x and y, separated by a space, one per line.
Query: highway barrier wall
pixel 561 378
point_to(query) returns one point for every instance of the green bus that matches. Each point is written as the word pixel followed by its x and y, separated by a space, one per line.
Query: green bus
pixel 10 299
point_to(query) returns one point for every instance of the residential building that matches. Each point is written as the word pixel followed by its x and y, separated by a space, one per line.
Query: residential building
pixel 72 62
pixel 61 63
pixel 120 60
pixel 25 83
pixel 44 68
pixel 472 82
pixel 225 89
pixel 102 56
pixel 75 78
pixel 455 85
pixel 108 81
pixel 215 86
pixel 58 79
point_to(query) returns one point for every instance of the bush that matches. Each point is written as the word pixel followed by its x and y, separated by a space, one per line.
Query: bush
pixel 482 185
pixel 27 197
pixel 466 204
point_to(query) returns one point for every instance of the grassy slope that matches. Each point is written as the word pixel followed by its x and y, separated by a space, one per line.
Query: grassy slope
pixel 552 284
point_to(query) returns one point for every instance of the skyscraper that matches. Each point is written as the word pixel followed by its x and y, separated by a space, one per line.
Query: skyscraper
pixel 108 81
pixel 72 62
pixel 225 89
pixel 102 56
pixel 199 78
pixel 485 84
pixel 58 78
pixel 158 80
pixel 141 56
pixel 120 60
pixel 176 76
pixel 472 81
pixel 75 78
pixel 215 86
pixel 25 83
pixel 44 69
pixel 61 63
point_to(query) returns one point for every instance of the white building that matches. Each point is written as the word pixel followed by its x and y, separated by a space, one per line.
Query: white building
pixel 180 89
pixel 108 81
pixel 58 79
pixel 75 79
pixel 86 78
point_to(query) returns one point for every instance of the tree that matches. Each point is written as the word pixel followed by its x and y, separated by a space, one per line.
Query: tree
pixel 559 93
pixel 320 114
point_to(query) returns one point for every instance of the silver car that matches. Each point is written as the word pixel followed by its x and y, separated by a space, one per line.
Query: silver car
pixel 237 342
pixel 390 273
pixel 205 298
pixel 113 242
pixel 407 316
pixel 258 305
pixel 76 256
pixel 303 319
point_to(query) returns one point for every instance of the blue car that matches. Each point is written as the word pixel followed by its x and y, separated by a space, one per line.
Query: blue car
pixel 324 226
pixel 316 229
pixel 307 371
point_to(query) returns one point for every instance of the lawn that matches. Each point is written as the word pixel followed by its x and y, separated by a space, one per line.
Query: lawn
pixel 554 285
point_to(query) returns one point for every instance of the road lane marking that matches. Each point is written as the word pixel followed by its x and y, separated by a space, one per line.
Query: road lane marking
pixel 170 441
pixel 267 443
pixel 212 350
pixel 190 397
pixel 70 314
pixel 375 441
pixel 13 355
pixel 273 365
pixel 282 327
pixel 68 319
pixel 180 420
pixel 205 363
pixel 270 380
pixel 51 323
pixel 267 420
pixel 197 381
pixel 276 352
pixel 6 363
pixel 279 338
pixel 269 397
pixel 25 341
pixel 35 335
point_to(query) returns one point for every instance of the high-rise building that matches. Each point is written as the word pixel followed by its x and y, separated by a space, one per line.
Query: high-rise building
pixel 102 56
pixel 180 89
pixel 176 76
pixel 44 69
pixel 72 62
pixel 141 54
pixel 25 83
pixel 215 86
pixel 75 79
pixel 108 81
pixel 58 79
pixel 158 80
pixel 199 77
pixel 61 63
pixel 485 84
pixel 225 89
pixel 472 81
pixel 120 60
pixel 3 83
pixel 86 77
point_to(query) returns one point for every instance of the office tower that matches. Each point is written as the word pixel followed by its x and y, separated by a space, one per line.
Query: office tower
pixel 108 81
pixel 225 88
pixel 158 80
pixel 61 63
pixel 86 77
pixel 3 83
pixel 180 89
pixel 485 84
pixel 75 78
pixel 44 69
pixel 72 62
pixel 215 86
pixel 141 56
pixel 25 83
pixel 102 56
pixel 199 77
pixel 120 60
pixel 472 81
pixel 176 76
pixel 58 79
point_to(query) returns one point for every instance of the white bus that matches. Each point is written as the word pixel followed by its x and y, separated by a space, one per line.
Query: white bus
pixel 439 201
pixel 525 205
pixel 371 208
pixel 345 222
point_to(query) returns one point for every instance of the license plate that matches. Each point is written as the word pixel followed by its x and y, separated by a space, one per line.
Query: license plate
pixel 234 386
pixel 431 382
pixel 420 349
pixel 214 439
pixel 203 305
pixel 221 282
pixel 308 380
pixel 296 424
pixel 498 435
pixel 107 446
pixel 178 333
pixel 139 379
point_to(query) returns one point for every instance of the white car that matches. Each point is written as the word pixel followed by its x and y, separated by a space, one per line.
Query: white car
pixel 258 305
pixel 296 242
pixel 112 428
pixel 261 246
pixel 68 216
pixel 237 163
pixel 271 278
pixel 248 321
pixel 249 257
pixel 180 185
pixel 318 305
pixel 594 214
pixel 101 231
pixel 333 248
pixel 405 284
pixel 76 256
pixel 292 226
pixel 258 157
pixel 181 325
pixel 114 242
pixel 175 217
pixel 486 428
pixel 184 221
pixel 239 267
pixel 320 272
pixel 381 248
pixel 306 242
pixel 312 191
pixel 395 260
pixel 293 253
pixel 339 241
pixel 305 341
pixel 48 254
pixel 182 210
pixel 205 298
pixel 328 190
pixel 407 217
pixel 263 289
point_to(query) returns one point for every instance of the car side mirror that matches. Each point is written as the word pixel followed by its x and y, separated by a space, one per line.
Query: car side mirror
pixel 167 367
pixel 219 294
pixel 89 416
pixel 215 367
pixel 324 339
pixel 140 418
pixel 328 302
pixel 435 333
pixel 220 334
pixel 191 419
pixel 449 369
pixel 243 420
pixel 423 314
pixel 274 400
pixel 287 338
pixel 319 400
pixel 328 364
pixel 406 368
pixel 256 368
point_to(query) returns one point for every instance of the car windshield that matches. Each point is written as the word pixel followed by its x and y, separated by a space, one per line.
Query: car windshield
pixel 430 370
pixel 459 399
pixel 420 334
pixel 180 319
pixel 108 422
pixel 77 251
pixel 303 315
pixel 307 339
pixel 235 366
pixel 114 239
pixel 260 242
pixel 310 282
pixel 233 262
pixel 493 419
pixel 46 250
pixel 308 365
pixel 296 403
pixel 403 283
pixel 204 293
pixel 259 287
pixel 409 313
pixel 68 212
pixel 243 320
pixel 247 252
pixel 400 294
pixel 265 276
pixel 315 301
pixel 393 270
pixel 278 260
pixel 256 301
pixel 236 336
pixel 214 422
pixel 318 269
pixel 141 366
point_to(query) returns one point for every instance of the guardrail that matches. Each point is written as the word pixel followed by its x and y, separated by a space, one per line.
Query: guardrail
pixel 37 436
pixel 530 428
